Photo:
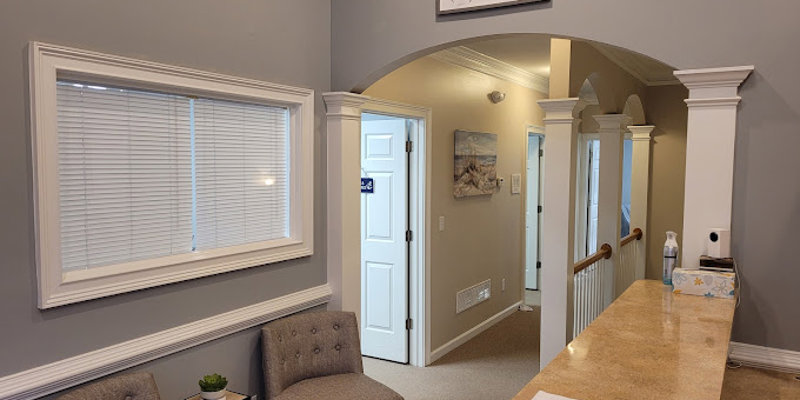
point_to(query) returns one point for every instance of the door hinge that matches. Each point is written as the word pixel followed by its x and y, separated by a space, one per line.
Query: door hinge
pixel 409 236
pixel 409 146
pixel 409 324
pixel 539 209
pixel 541 153
pixel 538 265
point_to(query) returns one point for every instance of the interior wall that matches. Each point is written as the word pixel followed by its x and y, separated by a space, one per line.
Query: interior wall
pixel 371 38
pixel 666 110
pixel 286 42
pixel 484 235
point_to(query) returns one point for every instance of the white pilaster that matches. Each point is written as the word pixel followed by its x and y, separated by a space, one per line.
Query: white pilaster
pixel 640 181
pixel 558 221
pixel 609 208
pixel 710 140
pixel 343 111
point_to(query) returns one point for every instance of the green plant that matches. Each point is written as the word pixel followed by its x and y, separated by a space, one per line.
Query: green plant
pixel 213 383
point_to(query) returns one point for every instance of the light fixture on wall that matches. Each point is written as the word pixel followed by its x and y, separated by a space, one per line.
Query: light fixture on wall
pixel 497 97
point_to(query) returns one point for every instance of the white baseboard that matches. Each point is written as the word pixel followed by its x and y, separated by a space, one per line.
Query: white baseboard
pixel 63 374
pixel 765 357
pixel 474 331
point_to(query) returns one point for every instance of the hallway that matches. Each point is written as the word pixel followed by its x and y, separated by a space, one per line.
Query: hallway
pixel 494 365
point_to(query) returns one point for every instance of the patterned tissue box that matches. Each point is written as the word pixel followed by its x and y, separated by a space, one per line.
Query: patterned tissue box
pixel 704 283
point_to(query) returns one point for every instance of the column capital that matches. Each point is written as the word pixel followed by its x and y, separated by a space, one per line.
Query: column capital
pixel 344 105
pixel 612 123
pixel 713 87
pixel 641 132
pixel 562 110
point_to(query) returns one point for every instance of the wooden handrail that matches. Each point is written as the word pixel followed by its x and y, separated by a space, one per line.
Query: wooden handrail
pixel 604 252
pixel 635 235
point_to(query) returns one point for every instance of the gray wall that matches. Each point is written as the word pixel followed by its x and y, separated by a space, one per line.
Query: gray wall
pixel 371 38
pixel 286 42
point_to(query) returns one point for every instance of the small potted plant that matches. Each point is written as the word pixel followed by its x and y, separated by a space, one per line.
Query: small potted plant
pixel 212 387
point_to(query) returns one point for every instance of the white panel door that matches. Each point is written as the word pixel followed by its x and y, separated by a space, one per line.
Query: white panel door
pixel 532 213
pixel 384 251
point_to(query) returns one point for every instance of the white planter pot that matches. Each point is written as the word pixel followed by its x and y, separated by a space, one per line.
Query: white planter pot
pixel 220 395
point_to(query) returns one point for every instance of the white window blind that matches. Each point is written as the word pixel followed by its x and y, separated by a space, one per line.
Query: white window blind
pixel 125 189
pixel 144 175
pixel 241 164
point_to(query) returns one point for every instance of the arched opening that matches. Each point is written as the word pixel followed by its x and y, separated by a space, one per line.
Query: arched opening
pixel 494 85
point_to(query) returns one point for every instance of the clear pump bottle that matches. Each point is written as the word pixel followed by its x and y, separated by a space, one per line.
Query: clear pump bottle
pixel 670 256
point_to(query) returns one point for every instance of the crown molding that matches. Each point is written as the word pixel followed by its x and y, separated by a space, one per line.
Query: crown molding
pixel 60 375
pixel 470 59
pixel 641 132
pixel 633 73
pixel 708 78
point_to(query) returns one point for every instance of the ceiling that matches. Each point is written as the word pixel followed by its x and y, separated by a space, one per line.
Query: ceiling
pixel 532 54
pixel 529 52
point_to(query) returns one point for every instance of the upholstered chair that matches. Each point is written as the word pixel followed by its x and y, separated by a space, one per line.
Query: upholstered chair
pixel 137 386
pixel 317 356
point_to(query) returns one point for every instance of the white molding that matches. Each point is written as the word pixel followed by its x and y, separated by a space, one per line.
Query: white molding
pixel 50 62
pixel 641 132
pixel 729 77
pixel 474 331
pixel 565 111
pixel 765 357
pixel 66 373
pixel 633 73
pixel 465 57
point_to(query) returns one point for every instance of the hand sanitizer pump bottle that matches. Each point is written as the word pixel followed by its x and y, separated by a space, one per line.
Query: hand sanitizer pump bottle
pixel 670 256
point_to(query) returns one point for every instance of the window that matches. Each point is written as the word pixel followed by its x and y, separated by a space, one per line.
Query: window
pixel 148 174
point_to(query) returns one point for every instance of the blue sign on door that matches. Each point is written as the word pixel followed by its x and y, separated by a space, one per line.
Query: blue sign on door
pixel 367 185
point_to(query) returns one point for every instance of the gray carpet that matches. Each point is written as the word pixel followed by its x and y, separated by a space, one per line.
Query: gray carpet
pixel 494 365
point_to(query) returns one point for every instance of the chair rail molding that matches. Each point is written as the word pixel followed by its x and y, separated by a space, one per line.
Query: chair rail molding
pixel 63 374
pixel 710 141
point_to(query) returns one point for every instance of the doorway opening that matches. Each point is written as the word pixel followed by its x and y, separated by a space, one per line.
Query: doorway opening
pixel 533 213
pixel 391 196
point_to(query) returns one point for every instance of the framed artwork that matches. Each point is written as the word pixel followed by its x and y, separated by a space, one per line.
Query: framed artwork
pixel 475 172
pixel 457 6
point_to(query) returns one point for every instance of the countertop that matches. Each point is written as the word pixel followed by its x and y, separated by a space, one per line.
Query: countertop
pixel 649 344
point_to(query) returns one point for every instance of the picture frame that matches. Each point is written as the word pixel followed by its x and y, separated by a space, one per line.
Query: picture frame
pixel 444 7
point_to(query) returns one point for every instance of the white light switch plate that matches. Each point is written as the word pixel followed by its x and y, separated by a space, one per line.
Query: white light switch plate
pixel 441 223
pixel 516 183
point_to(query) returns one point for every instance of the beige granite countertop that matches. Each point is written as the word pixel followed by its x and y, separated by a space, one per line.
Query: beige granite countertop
pixel 649 344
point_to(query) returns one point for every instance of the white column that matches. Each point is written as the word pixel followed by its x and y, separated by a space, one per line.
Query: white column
pixel 710 140
pixel 558 223
pixel 609 208
pixel 344 190
pixel 640 181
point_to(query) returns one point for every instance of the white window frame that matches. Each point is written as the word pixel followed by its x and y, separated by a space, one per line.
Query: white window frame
pixel 47 64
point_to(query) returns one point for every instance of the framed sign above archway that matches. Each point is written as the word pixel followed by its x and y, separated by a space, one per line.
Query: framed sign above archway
pixel 457 6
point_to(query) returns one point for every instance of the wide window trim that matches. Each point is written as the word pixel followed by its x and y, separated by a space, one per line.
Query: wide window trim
pixel 49 63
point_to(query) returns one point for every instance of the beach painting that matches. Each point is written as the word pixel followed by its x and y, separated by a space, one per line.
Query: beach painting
pixel 475 171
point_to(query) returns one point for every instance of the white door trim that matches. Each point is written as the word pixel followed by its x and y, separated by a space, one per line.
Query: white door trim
pixel 344 274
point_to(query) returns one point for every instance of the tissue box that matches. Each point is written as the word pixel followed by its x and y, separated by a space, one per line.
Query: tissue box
pixel 704 283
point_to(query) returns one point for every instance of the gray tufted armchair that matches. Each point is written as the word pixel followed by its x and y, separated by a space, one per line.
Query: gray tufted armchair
pixel 137 386
pixel 317 356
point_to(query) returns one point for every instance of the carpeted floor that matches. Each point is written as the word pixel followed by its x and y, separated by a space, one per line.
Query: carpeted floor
pixel 750 383
pixel 499 362
pixel 494 365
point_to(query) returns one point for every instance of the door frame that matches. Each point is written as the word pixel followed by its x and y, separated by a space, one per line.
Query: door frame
pixel 344 158
pixel 532 130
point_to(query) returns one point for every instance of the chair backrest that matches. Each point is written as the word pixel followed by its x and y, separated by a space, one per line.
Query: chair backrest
pixel 137 386
pixel 309 345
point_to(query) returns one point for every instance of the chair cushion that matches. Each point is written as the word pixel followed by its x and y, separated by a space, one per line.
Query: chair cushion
pixel 341 386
